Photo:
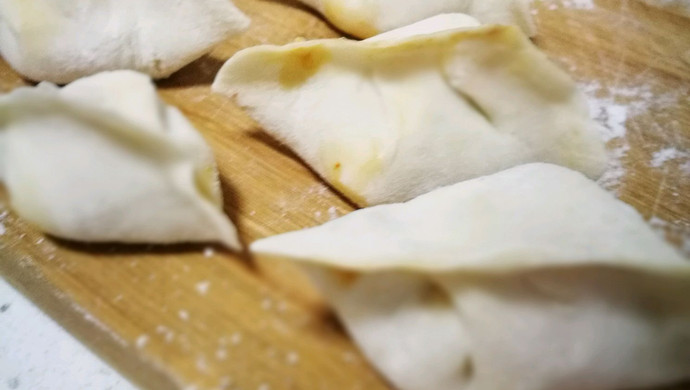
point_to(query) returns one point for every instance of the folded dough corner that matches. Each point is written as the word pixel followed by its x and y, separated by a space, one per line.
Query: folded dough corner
pixel 105 160
pixel 62 41
pixel 431 104
pixel 533 278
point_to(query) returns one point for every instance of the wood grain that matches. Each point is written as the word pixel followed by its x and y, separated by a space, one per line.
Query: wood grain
pixel 179 318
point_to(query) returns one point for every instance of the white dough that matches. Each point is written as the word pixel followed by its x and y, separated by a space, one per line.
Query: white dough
pixel 105 160
pixel 366 18
pixel 63 40
pixel 393 117
pixel 533 278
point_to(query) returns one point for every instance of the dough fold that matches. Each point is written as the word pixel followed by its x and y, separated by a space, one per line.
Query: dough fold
pixel 393 117
pixel 63 40
pixel 533 278
pixel 105 160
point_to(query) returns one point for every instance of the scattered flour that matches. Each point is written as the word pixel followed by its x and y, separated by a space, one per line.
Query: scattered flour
pixel 579 4
pixel 685 168
pixel 267 304
pixel 209 252
pixel 101 326
pixel 202 287
pixel 333 213
pixel 221 354
pixel 168 335
pixel 570 4
pixel 183 314
pixel 318 189
pixel 236 338
pixel 611 115
pixel 663 156
pixel 142 341
pixel 225 382
pixel 201 364
pixel 3 230
pixel 614 108
pixel 292 358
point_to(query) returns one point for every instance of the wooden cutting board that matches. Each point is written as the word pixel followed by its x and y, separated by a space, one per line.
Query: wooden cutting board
pixel 194 317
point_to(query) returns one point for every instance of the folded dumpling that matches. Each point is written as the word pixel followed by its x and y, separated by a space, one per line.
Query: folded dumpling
pixel 63 40
pixel 533 278
pixel 398 115
pixel 105 160
pixel 366 18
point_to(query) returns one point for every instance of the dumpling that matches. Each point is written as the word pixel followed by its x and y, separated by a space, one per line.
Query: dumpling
pixel 366 18
pixel 105 160
pixel 393 117
pixel 63 40
pixel 533 278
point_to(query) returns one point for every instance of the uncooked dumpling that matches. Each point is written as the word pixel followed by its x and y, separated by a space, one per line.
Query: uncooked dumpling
pixel 533 278
pixel 366 18
pixel 393 117
pixel 63 40
pixel 104 160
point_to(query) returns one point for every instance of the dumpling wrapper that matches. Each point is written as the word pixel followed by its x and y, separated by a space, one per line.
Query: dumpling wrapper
pixel 366 18
pixel 533 278
pixel 393 117
pixel 105 160
pixel 63 40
